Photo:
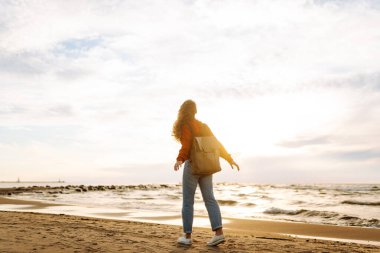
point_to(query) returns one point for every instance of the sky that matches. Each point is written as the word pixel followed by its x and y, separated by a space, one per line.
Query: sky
pixel 89 90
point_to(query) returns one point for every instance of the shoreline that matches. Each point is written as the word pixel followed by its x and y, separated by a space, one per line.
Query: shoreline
pixel 361 235
pixel 38 232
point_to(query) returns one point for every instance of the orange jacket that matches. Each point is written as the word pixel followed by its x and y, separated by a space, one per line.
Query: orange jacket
pixel 187 140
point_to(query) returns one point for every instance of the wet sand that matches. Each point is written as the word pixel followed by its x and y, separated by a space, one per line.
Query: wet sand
pixel 371 235
pixel 35 232
pixel 32 204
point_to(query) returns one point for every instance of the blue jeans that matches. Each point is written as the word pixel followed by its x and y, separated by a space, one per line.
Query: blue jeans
pixel 189 185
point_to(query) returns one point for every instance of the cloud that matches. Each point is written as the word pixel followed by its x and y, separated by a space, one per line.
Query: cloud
pixel 358 81
pixel 356 155
pixel 302 142
pixel 19 63
pixel 60 110
pixel 293 76
pixel 13 109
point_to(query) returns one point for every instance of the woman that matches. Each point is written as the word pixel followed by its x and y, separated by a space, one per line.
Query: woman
pixel 182 133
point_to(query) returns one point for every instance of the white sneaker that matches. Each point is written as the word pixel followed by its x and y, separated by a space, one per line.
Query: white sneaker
pixel 217 239
pixel 185 241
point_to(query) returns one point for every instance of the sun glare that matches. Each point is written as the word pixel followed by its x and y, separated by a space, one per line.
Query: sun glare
pixel 257 126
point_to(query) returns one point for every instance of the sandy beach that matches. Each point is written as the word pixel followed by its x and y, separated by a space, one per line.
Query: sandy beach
pixel 35 232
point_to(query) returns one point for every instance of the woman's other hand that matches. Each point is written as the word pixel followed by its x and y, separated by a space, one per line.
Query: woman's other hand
pixel 177 165
pixel 236 165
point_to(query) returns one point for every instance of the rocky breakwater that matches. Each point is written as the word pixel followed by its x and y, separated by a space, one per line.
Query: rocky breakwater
pixel 67 189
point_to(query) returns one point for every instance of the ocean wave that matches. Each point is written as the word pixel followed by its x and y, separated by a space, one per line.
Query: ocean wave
pixel 265 197
pixel 227 202
pixel 298 202
pixel 303 212
pixel 344 189
pixel 356 221
pixel 138 198
pixel 173 196
pixel 357 202
pixel 275 210
pixel 325 217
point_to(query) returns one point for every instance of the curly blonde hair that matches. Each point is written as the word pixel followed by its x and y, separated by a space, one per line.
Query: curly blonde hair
pixel 186 112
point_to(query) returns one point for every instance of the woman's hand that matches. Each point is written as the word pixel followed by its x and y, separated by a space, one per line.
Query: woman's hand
pixel 234 163
pixel 177 165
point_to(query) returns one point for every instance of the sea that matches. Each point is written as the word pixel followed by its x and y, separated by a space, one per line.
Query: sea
pixel 335 204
